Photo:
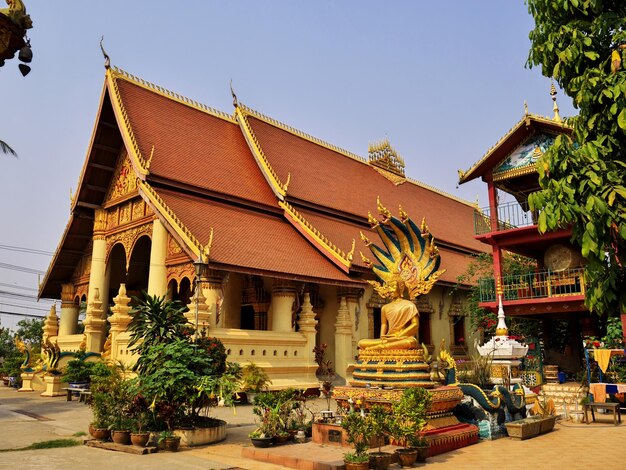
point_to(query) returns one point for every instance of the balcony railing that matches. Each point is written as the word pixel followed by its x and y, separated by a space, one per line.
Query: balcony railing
pixel 536 285
pixel 510 215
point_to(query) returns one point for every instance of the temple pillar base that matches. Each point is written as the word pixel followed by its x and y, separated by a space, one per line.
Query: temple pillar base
pixel 53 386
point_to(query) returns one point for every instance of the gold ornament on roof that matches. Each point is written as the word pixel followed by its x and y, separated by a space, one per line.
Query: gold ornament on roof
pixel 384 156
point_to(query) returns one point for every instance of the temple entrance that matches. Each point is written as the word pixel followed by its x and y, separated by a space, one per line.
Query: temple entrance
pixel 377 322
pixel 139 268
pixel 115 271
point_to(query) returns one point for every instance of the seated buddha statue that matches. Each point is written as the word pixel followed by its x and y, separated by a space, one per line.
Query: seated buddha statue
pixel 399 323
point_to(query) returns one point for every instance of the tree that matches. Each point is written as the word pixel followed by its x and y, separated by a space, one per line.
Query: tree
pixel 581 43
pixel 31 331
pixel 4 148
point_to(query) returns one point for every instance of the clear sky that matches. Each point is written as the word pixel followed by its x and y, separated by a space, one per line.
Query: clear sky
pixel 442 80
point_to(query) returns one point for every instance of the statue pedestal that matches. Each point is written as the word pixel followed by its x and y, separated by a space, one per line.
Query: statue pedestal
pixel 53 386
pixel 398 368
pixel 27 382
pixel 443 430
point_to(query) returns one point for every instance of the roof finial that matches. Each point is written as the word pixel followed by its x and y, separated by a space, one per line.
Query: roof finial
pixel 107 59
pixel 555 107
pixel 525 108
pixel 232 92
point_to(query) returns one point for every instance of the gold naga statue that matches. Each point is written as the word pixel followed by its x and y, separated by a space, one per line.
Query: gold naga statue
pixel 408 267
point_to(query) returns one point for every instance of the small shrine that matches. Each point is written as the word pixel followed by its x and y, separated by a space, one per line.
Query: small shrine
pixel 505 353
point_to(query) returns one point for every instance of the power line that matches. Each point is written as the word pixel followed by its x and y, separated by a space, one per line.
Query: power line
pixel 21 314
pixel 4 284
pixel 23 306
pixel 33 251
pixel 6 293
pixel 22 269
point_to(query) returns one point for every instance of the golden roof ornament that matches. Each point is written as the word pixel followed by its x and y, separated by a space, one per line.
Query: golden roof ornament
pixel 384 156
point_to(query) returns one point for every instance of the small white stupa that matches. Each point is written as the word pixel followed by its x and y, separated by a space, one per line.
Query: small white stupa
pixel 504 352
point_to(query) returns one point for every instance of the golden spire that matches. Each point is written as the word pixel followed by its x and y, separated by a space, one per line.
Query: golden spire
pixel 555 107
pixel 526 108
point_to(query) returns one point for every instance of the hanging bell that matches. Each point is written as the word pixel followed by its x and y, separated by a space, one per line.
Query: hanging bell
pixel 26 53
pixel 25 69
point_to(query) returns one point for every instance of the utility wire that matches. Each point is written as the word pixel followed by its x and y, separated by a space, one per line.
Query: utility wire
pixel 23 306
pixel 33 251
pixel 13 286
pixel 6 293
pixel 22 269
pixel 21 314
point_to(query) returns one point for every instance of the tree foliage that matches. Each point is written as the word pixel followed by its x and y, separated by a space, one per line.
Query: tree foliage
pixel 581 43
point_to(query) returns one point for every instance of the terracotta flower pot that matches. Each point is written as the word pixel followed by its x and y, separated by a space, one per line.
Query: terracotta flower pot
pixel 407 457
pixel 121 437
pixel 380 460
pixel 139 439
pixel 171 444
pixel 356 465
pixel 101 434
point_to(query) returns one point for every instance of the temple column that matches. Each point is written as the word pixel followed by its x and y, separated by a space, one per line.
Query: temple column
pixel 307 324
pixel 120 319
pixel 212 290
pixel 283 298
pixel 157 278
pixel 69 311
pixel 51 324
pixel 97 275
pixel 95 324
pixel 343 339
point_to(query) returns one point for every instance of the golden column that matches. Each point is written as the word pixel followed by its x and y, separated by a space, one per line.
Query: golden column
pixel 157 278
pixel 69 311
pixel 353 297
pixel 97 274
pixel 283 297
pixel 343 339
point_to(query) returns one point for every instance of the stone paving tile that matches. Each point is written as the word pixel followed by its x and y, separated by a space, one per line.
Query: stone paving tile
pixel 599 445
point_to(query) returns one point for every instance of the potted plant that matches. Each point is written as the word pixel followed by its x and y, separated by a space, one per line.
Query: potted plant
pixel 259 438
pixel 138 412
pixel 407 419
pixel 254 380
pixel 78 371
pixel 358 433
pixel 379 421
pixel 168 441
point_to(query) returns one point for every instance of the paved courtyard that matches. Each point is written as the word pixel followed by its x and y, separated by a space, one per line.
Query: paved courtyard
pixel 569 446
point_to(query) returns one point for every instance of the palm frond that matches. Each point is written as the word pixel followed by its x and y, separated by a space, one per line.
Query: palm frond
pixel 5 148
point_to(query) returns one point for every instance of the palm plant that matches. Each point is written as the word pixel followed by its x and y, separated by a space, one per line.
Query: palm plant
pixel 155 321
pixel 6 149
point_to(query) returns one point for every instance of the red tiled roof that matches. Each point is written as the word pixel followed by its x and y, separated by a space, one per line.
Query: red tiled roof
pixel 330 179
pixel 251 240
pixel 343 232
pixel 191 146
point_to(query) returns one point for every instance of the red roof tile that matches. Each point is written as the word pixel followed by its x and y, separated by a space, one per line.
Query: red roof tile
pixel 250 240
pixel 343 232
pixel 191 146
pixel 330 179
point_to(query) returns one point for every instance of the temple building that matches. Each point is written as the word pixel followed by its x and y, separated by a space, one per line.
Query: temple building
pixel 269 216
